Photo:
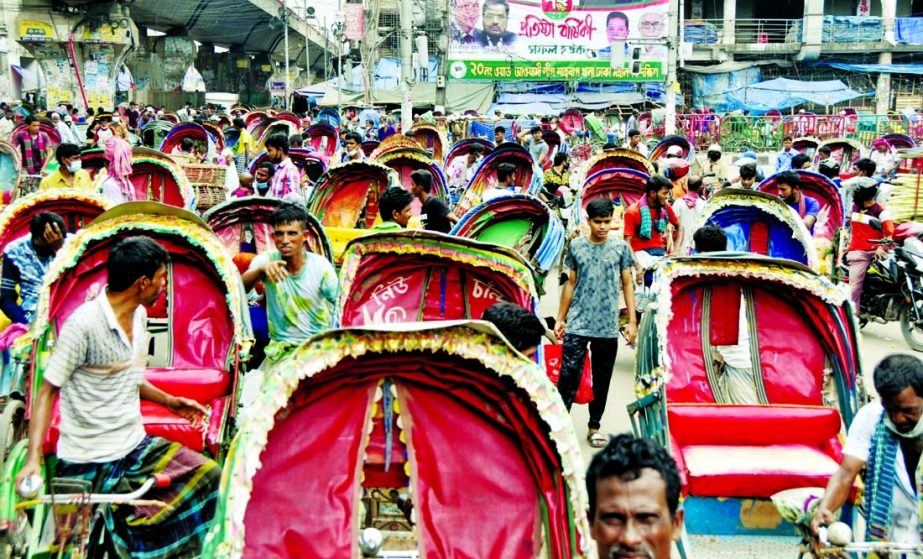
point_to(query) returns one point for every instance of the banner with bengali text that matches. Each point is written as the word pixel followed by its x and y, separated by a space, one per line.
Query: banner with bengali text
pixel 558 40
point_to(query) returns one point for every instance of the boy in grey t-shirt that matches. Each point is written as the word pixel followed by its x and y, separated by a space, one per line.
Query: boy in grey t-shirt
pixel 537 147
pixel 589 312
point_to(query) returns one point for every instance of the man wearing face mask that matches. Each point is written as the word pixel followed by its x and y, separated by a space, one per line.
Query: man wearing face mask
pixel 886 439
pixel 261 178
pixel 352 149
pixel 286 178
pixel 69 173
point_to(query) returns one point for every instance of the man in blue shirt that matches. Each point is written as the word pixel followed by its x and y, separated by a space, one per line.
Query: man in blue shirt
pixel 784 159
pixel 789 185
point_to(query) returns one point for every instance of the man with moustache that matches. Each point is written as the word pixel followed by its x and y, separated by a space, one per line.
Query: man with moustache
pixel 495 16
pixel 633 487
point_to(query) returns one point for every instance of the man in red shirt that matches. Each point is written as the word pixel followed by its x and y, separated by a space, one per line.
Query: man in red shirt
pixel 646 223
pixel 862 248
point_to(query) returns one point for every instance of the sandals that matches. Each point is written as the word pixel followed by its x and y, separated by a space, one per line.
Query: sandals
pixel 596 439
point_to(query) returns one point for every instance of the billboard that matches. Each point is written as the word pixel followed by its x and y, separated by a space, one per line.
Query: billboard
pixel 557 40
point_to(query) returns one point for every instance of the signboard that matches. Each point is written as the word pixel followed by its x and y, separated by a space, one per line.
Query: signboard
pixel 554 40
pixel 277 88
pixel 38 31
pixel 355 21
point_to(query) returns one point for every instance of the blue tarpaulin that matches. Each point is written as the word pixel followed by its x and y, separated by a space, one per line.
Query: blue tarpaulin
pixel 783 93
pixel 852 29
pixel 914 69
pixel 909 30
pixel 709 90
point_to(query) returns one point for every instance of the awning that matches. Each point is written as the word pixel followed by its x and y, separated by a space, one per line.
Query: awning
pixel 913 69
pixel 783 93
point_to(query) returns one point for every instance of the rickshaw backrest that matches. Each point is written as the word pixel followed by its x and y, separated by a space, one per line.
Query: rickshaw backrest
pixel 791 355
pixel 193 306
pixel 390 289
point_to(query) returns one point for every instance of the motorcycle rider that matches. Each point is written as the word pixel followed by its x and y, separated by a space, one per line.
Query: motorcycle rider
pixel 862 248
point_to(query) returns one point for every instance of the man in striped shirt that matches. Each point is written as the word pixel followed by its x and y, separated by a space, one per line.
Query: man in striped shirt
pixel 97 370
pixel 286 181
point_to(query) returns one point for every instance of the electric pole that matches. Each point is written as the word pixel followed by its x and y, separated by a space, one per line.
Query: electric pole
pixel 406 15
pixel 673 36
pixel 283 15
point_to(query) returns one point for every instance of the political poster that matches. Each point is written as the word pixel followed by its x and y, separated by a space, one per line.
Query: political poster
pixel 558 40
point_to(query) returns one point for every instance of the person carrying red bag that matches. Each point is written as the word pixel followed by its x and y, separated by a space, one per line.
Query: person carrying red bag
pixel 589 311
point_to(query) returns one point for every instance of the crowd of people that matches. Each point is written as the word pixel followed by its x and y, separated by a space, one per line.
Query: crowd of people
pixel 633 483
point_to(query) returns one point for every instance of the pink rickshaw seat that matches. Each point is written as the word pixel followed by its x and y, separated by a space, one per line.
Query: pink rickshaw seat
pixel 753 451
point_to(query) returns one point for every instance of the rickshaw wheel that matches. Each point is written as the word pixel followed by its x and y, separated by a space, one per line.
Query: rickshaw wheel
pixel 12 426
pixel 912 331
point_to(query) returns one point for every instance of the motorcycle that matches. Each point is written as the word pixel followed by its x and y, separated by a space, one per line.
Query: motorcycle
pixel 893 290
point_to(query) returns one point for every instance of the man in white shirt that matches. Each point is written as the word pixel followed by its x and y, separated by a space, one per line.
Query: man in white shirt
pixel 885 164
pixel 123 84
pixel 886 439
pixel 634 142
pixel 63 130
pixel 689 209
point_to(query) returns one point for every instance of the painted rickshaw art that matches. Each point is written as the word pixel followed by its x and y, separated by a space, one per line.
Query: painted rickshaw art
pixel 518 221
pixel 10 169
pixel 202 362
pixel 760 223
pixel 844 151
pixel 432 139
pixel 717 384
pixel 429 378
pixel 620 158
pixel 411 276
pixel 205 142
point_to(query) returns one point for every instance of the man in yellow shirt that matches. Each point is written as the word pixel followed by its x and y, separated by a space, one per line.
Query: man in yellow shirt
pixel 243 150
pixel 69 173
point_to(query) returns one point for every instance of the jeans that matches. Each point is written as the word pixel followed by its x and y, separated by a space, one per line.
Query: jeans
pixel 859 262
pixel 602 360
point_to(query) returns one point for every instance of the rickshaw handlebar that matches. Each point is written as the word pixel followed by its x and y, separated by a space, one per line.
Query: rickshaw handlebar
pixel 157 480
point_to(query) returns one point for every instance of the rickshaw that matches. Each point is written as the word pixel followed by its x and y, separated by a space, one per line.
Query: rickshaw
pixel 10 169
pixel 273 128
pixel 623 186
pixel 323 138
pixel 205 142
pixel 202 362
pixel 617 159
pixel 517 457
pixel 663 145
pixel 779 427
pixel 553 139
pixel 345 200
pixel 369 146
pixel 311 165
pixel 760 223
pixel 829 230
pixel 518 221
pixel 243 225
pixel 158 178
pixel 898 142
pixel 405 156
pixel 329 116
pixel 844 151
pixel 807 146
pixel 525 178
pixel 77 208
pixel 572 122
pixel 431 139
pixel 154 132
pixel 413 275
pixel 217 134
pixel 463 147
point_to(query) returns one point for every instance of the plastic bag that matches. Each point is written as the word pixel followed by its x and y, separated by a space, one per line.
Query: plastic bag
pixel 553 360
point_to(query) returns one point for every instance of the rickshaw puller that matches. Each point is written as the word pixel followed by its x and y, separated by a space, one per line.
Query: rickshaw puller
pixel 885 438
pixel 97 369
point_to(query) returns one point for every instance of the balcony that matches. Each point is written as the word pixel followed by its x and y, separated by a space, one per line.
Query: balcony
pixel 839 34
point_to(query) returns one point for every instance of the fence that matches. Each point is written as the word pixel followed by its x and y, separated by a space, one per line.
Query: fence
pixel 765 133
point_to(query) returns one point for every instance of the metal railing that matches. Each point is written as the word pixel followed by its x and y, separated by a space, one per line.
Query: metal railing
pixel 765 133
pixel 745 31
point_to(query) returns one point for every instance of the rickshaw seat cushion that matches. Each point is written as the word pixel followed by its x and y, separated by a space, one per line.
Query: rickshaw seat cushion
pixel 161 422
pixel 753 451
pixel 732 425
pixel 201 384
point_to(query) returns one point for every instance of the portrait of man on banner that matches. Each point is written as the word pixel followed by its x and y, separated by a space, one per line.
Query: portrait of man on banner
pixel 495 19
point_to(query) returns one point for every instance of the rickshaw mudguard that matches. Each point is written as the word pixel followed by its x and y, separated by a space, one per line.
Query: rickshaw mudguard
pixel 447 369
pixel 8 495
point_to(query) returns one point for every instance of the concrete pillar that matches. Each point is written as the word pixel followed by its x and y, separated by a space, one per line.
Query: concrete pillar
pixel 883 92
pixel 730 17
pixel 206 63
pixel 812 30
pixel 99 47
pixel 888 14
